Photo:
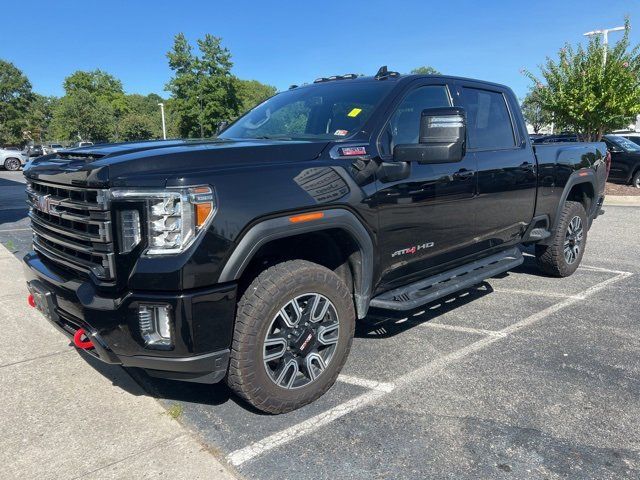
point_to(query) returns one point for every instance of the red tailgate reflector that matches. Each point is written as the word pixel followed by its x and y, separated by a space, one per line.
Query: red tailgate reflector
pixel 31 301
pixel 353 151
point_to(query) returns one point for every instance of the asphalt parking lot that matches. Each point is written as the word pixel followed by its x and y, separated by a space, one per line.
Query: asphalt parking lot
pixel 525 376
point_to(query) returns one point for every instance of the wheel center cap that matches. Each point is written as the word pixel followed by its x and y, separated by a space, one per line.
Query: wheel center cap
pixel 304 342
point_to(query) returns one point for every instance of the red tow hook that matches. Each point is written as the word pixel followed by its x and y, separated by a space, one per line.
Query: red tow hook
pixel 78 342
pixel 31 301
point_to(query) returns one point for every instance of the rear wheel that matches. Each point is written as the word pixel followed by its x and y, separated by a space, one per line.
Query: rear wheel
pixel 12 164
pixel 293 333
pixel 563 256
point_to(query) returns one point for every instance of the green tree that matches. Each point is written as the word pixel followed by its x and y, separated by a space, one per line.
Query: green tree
pixel 534 112
pixel 425 70
pixel 15 99
pixel 252 93
pixel 38 118
pixel 107 90
pixel 82 116
pixel 146 106
pixel 137 126
pixel 587 94
pixel 205 93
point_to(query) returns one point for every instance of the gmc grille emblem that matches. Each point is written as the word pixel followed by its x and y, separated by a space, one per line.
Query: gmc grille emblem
pixel 43 203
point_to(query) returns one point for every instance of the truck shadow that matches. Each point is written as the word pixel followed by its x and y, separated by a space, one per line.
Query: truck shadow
pixel 137 382
pixel 385 324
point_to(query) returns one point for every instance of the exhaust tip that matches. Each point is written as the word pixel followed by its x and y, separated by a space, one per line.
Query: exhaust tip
pixel 78 342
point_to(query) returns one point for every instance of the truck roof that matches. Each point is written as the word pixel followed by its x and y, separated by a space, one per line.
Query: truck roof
pixel 399 78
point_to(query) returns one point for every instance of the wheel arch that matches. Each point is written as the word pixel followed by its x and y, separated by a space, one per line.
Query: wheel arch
pixel 581 187
pixel 281 232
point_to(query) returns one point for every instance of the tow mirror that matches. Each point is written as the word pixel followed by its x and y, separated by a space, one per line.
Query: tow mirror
pixel 442 138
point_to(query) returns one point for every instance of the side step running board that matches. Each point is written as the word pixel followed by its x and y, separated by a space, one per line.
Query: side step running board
pixel 437 286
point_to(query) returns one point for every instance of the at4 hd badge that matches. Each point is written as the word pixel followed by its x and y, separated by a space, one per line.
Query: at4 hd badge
pixel 413 249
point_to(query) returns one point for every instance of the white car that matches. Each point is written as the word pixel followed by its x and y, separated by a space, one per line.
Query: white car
pixel 53 147
pixel 12 159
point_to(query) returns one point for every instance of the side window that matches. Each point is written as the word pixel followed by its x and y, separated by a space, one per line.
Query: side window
pixel 404 125
pixel 488 122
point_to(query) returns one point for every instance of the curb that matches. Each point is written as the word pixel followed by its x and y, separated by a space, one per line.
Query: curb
pixel 622 200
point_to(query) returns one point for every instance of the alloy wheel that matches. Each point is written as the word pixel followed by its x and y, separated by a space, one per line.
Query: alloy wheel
pixel 12 164
pixel 301 341
pixel 573 240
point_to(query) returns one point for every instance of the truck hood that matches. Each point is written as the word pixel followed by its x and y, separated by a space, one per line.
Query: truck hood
pixel 154 163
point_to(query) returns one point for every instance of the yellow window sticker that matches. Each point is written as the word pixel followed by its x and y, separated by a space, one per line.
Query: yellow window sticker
pixel 354 112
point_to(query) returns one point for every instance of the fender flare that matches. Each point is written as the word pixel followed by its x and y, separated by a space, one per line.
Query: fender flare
pixel 280 227
pixel 576 178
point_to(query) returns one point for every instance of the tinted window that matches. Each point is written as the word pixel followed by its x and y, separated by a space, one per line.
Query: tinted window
pixel 488 121
pixel 404 124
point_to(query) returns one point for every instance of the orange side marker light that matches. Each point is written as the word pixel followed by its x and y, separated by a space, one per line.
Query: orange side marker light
pixel 306 217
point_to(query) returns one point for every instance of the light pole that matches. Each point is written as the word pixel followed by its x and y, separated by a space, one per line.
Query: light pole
pixel 605 37
pixel 164 126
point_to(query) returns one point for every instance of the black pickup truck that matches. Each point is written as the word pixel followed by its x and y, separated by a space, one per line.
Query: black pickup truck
pixel 249 257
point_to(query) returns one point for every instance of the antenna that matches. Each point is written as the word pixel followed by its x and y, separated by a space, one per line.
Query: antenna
pixel 382 72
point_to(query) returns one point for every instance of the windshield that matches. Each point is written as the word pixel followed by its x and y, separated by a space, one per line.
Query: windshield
pixel 626 145
pixel 329 110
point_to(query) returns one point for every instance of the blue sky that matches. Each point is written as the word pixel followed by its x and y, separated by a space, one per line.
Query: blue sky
pixel 281 43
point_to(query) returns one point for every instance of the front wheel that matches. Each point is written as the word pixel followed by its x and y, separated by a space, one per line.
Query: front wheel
pixel 635 181
pixel 293 332
pixel 12 164
pixel 563 256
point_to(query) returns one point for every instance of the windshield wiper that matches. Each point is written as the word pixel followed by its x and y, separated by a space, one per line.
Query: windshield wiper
pixel 272 137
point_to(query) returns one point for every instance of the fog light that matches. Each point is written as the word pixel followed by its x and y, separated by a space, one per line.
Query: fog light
pixel 155 325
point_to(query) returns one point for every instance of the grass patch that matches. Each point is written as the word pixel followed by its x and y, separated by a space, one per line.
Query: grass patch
pixel 175 411
pixel 10 245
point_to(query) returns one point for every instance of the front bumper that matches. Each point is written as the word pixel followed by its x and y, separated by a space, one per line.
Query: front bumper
pixel 202 322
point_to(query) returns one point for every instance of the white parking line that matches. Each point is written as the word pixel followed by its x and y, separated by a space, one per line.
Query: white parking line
pixel 536 293
pixel 365 383
pixel 310 425
pixel 600 269
pixel 15 230
pixel 458 328
pixel 238 457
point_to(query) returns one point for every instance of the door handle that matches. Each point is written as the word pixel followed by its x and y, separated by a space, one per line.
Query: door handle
pixel 463 174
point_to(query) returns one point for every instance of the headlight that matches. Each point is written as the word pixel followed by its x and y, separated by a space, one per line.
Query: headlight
pixel 175 217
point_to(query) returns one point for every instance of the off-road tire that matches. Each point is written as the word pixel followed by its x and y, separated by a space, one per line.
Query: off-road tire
pixel 551 258
pixel 260 303
pixel 12 164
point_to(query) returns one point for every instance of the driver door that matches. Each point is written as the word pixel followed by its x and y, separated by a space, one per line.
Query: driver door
pixel 427 219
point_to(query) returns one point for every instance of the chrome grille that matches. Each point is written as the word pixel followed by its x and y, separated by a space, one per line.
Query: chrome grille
pixel 72 227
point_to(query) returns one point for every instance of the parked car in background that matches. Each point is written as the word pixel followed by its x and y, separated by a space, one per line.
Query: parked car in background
pixel 625 160
pixel 12 159
pixel 634 137
pixel 563 137
pixel 34 151
pixel 53 147
pixel 81 144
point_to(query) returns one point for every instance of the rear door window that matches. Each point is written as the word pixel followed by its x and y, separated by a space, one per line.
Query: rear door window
pixel 489 124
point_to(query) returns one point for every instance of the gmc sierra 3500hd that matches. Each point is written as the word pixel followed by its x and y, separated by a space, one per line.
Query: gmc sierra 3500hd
pixel 249 257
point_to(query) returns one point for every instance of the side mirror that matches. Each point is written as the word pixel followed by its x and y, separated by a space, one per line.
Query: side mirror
pixel 442 138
